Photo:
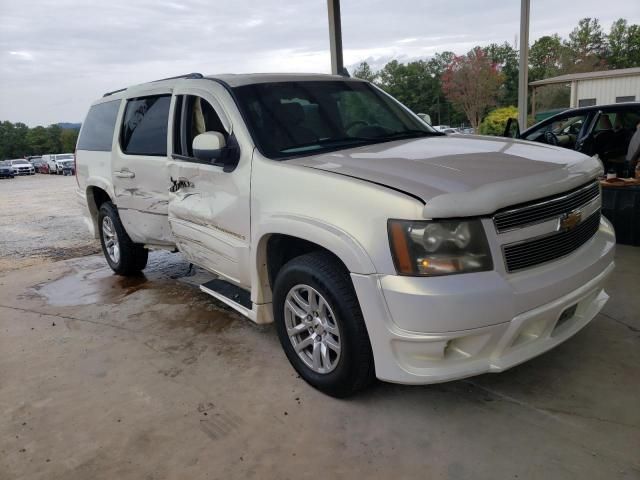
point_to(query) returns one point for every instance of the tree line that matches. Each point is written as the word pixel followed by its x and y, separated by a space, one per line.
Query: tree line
pixel 460 89
pixel 18 140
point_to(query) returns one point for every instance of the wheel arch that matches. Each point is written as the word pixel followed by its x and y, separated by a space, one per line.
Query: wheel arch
pixel 287 238
pixel 97 192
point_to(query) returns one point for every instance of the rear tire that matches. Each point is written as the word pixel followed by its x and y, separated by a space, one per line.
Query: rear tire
pixel 123 256
pixel 326 317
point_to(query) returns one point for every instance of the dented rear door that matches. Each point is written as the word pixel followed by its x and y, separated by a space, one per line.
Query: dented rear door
pixel 139 168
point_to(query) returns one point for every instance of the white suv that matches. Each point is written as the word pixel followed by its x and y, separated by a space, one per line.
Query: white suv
pixel 59 163
pixel 379 247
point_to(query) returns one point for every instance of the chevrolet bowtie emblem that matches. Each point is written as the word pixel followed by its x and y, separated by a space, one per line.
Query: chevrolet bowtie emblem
pixel 570 220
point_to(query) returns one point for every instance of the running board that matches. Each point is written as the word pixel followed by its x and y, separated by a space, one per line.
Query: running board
pixel 237 298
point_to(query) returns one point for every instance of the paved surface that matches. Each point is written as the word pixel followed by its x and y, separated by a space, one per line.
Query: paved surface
pixel 146 378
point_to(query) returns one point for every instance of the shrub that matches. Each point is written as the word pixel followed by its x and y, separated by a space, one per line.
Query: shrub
pixel 496 121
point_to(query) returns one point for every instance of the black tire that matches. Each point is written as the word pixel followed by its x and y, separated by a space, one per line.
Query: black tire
pixel 133 256
pixel 328 276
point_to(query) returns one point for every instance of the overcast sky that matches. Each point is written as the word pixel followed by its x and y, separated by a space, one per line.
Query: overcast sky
pixel 57 57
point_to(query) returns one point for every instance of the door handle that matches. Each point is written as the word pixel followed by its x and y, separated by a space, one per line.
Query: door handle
pixel 124 174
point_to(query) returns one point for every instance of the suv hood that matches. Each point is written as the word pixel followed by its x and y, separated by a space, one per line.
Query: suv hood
pixel 462 176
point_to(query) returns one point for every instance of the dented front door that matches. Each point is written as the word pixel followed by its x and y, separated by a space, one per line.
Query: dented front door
pixel 208 207
pixel 139 168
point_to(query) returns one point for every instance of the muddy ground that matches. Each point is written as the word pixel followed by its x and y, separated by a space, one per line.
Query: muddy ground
pixel 148 378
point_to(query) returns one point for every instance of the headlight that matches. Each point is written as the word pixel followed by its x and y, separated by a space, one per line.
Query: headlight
pixel 428 248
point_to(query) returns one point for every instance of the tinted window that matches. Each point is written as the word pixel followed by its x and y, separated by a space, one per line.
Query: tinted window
pixel 144 127
pixel 293 118
pixel 97 131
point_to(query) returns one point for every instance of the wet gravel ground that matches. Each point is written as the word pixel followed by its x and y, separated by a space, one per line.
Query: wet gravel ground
pixel 41 222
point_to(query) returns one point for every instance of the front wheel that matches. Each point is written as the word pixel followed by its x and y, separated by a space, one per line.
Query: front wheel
pixel 123 256
pixel 320 325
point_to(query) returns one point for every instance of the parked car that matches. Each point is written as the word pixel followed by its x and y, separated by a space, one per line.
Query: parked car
pixel 22 167
pixel 58 162
pixel 378 246
pixel 603 130
pixel 68 167
pixel 6 170
pixel 44 167
pixel 37 163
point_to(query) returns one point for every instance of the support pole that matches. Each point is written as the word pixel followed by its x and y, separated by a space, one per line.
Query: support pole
pixel 335 36
pixel 523 76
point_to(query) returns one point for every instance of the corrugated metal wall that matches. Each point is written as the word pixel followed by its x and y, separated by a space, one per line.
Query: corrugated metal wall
pixel 605 90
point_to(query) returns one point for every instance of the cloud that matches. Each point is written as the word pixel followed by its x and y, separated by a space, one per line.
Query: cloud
pixel 55 61
pixel 21 55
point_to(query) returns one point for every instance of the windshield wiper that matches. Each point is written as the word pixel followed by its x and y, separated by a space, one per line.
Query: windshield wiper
pixel 411 133
pixel 327 142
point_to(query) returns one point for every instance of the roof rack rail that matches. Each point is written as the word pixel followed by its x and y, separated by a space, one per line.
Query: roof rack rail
pixel 114 91
pixel 194 75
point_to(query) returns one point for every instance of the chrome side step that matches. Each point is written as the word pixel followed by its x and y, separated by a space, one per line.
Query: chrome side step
pixel 231 295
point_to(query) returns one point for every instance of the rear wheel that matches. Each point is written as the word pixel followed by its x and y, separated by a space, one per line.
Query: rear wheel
pixel 123 256
pixel 320 325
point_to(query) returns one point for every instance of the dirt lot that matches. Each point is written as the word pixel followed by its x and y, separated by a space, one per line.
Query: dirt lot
pixel 40 222
pixel 147 378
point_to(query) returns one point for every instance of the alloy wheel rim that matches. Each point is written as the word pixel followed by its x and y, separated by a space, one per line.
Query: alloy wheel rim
pixel 312 329
pixel 110 239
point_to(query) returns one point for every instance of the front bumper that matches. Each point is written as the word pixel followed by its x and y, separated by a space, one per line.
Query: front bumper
pixel 497 321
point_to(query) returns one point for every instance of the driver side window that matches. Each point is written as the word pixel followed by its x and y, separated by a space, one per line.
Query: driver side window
pixel 194 115
pixel 563 131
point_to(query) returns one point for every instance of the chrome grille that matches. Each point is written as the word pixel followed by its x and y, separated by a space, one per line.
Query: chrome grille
pixel 549 247
pixel 542 210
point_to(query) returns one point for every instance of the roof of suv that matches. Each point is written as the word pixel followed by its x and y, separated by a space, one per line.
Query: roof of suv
pixel 233 80
pixel 238 80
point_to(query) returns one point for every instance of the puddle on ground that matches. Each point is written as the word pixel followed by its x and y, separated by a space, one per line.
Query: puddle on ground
pixel 93 282
pixel 166 291
pixel 87 288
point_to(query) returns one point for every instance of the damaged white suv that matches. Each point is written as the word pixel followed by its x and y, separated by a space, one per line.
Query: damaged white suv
pixel 379 247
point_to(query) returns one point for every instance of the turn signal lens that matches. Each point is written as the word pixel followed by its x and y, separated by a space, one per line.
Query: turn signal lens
pixel 430 248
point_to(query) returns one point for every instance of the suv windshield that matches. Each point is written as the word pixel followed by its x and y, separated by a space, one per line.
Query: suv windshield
pixel 295 118
pixel 67 156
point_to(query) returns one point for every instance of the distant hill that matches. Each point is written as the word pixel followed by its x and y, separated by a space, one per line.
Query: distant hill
pixel 69 126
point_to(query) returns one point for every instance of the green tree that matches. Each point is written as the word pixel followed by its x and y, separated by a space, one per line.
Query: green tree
pixel 586 48
pixel 68 140
pixel 623 45
pixel 364 72
pixel 412 83
pixel 54 132
pixel 38 140
pixel 545 57
pixel 506 58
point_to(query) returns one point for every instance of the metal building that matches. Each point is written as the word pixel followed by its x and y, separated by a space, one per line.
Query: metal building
pixel 598 88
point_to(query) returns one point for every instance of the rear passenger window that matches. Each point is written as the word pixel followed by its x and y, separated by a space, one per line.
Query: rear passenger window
pixel 98 127
pixel 144 127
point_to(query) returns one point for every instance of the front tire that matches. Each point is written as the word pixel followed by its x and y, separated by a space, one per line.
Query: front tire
pixel 123 256
pixel 320 325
